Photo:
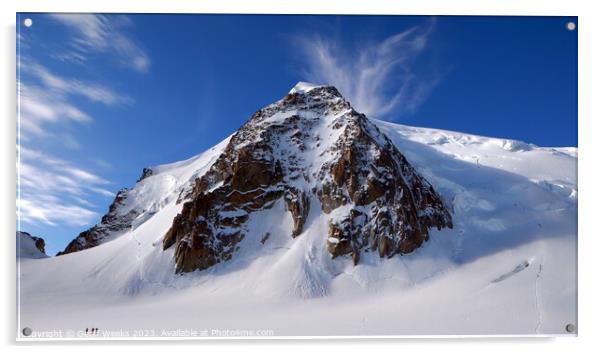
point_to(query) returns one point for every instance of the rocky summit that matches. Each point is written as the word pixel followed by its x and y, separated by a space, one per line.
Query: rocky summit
pixel 310 149
pixel 310 145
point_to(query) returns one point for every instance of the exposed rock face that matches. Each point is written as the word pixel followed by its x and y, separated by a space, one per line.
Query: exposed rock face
pixel 146 172
pixel 113 221
pixel 390 207
pixel 311 145
pixel 40 244
pixel 30 246
pixel 309 149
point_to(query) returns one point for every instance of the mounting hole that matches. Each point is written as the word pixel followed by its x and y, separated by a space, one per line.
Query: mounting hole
pixel 571 26
pixel 27 22
pixel 27 331
pixel 570 328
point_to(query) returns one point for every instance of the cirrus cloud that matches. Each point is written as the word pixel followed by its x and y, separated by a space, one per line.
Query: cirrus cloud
pixel 378 78
pixel 103 34
pixel 54 191
pixel 45 100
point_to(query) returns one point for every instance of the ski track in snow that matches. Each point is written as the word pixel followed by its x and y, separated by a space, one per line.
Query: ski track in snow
pixel 537 296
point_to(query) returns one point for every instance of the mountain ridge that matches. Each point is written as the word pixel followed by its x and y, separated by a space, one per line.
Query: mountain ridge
pixel 512 251
pixel 311 134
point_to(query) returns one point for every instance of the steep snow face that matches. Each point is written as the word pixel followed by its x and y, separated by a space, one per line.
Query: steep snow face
pixel 30 246
pixel 507 267
pixel 310 145
pixel 156 188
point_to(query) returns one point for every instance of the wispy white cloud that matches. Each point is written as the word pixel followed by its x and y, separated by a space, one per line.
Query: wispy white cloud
pixel 52 211
pixel 62 86
pixel 40 108
pixel 378 78
pixel 94 33
pixel 54 191
pixel 46 100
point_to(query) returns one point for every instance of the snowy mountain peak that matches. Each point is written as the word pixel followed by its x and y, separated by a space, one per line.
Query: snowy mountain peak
pixel 304 87
pixel 307 151
pixel 311 159
pixel 280 210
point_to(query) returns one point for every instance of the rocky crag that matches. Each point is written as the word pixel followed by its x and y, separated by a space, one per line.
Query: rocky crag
pixel 309 145
pixel 310 148
pixel 118 218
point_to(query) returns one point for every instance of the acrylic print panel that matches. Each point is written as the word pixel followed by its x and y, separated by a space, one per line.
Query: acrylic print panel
pixel 265 176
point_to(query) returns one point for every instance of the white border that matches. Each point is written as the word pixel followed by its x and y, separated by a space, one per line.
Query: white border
pixel 590 114
pixel 421 7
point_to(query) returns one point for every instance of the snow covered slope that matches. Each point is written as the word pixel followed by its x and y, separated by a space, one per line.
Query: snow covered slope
pixel 156 188
pixel 507 267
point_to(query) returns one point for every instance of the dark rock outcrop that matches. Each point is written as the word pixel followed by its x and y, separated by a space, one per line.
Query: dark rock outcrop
pixel 243 180
pixel 113 221
pixel 146 172
pixel 391 205
pixel 40 244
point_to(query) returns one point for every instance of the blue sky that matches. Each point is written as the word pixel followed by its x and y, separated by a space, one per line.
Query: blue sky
pixel 103 96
